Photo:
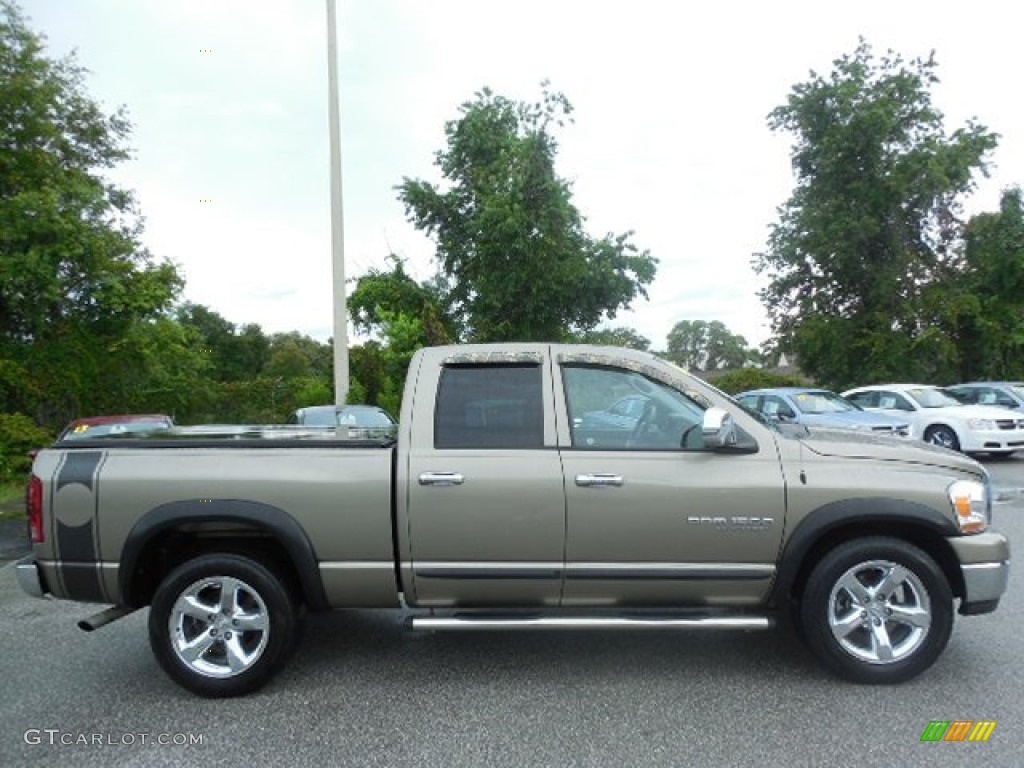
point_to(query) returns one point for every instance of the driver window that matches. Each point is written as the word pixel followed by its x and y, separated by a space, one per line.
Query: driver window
pixel 777 407
pixel 615 409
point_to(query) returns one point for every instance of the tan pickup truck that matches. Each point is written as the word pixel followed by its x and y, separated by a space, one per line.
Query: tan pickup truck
pixel 530 486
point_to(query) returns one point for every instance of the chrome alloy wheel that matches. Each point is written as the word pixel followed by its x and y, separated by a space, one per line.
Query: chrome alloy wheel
pixel 879 612
pixel 219 626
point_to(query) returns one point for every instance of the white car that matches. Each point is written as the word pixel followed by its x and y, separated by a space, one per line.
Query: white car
pixel 941 420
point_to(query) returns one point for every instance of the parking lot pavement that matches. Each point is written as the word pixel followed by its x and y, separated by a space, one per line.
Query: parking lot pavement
pixel 363 691
pixel 13 539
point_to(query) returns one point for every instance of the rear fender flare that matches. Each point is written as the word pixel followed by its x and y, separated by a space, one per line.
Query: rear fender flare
pixel 265 517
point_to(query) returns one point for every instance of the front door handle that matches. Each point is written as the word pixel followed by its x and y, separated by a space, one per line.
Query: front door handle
pixel 600 481
pixel 441 478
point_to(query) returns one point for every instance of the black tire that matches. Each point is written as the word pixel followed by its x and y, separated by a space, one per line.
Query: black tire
pixel 942 436
pixel 848 588
pixel 222 625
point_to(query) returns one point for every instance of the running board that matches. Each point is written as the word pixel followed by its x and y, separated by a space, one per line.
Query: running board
pixel 469 622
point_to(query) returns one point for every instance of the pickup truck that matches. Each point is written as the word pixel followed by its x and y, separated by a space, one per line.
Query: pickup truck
pixel 520 494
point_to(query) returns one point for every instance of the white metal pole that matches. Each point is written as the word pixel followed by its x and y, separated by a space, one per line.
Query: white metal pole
pixel 337 223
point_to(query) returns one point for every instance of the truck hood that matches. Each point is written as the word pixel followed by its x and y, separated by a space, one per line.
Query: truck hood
pixel 857 445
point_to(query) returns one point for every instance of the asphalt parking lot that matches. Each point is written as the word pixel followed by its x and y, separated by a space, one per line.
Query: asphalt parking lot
pixel 363 691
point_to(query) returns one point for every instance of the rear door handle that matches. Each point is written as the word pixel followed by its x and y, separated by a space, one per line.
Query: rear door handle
pixel 441 478
pixel 600 481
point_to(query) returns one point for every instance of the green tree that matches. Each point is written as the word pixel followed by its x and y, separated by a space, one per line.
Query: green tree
pixel 236 354
pixel 985 308
pixel 707 346
pixel 74 278
pixel 873 223
pixel 509 239
pixel 380 293
pixel 616 337
pixel 295 355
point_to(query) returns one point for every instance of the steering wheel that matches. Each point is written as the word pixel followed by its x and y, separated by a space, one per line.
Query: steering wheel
pixel 642 423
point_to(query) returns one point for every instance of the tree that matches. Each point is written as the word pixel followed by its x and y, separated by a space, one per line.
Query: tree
pixel 985 309
pixel 380 293
pixel 508 237
pixel 616 337
pixel 236 354
pixel 707 346
pixel 74 278
pixel 873 223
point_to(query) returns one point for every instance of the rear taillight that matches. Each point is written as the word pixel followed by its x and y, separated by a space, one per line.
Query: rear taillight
pixel 34 507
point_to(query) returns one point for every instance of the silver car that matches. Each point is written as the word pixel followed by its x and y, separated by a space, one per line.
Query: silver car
pixel 820 408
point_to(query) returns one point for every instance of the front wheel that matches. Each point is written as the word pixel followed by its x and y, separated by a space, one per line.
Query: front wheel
pixel 942 436
pixel 877 610
pixel 221 625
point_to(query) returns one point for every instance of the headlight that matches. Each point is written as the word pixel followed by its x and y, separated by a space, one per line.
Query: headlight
pixel 971 505
pixel 981 424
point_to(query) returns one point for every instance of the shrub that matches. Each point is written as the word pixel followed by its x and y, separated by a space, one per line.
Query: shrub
pixel 19 435
pixel 755 378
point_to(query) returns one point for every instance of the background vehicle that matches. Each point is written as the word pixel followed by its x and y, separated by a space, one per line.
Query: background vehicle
pixel 939 419
pixel 124 424
pixel 1007 394
pixel 497 507
pixel 820 408
pixel 368 416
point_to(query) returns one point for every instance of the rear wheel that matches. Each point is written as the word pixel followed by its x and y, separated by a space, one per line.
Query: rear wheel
pixel 221 625
pixel 942 436
pixel 877 610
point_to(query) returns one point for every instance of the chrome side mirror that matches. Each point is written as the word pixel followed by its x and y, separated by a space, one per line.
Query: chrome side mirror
pixel 718 429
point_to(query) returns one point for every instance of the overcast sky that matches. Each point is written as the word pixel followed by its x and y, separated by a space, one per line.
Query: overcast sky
pixel 229 103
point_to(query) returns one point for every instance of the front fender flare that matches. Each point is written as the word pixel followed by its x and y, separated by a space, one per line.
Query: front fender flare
pixel 835 514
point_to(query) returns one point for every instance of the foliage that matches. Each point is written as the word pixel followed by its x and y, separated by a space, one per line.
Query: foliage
pixel 743 379
pixel 234 353
pixel 615 337
pixel 74 278
pixel 19 435
pixel 871 232
pixel 707 346
pixel 378 293
pixel 509 240
pixel 985 316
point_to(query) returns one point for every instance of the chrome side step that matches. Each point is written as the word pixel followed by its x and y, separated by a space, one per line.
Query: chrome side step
pixel 471 622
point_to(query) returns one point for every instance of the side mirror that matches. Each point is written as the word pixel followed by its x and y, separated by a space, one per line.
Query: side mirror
pixel 718 429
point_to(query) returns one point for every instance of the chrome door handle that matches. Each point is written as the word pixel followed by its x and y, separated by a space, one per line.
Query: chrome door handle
pixel 441 478
pixel 600 481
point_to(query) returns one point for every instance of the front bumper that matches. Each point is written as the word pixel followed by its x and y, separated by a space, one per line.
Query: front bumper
pixel 985 567
pixel 1001 440
pixel 30 579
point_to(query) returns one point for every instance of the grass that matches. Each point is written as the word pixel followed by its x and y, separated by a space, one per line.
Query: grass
pixel 12 500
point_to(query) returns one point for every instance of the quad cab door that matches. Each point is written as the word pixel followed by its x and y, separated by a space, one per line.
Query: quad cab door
pixel 485 511
pixel 654 518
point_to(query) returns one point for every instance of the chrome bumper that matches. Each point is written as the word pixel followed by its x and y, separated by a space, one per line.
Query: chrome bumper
pixel 984 584
pixel 985 581
pixel 28 577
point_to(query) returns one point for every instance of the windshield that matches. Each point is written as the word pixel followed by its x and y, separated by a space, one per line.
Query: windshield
pixel 822 401
pixel 1017 389
pixel 90 431
pixel 932 398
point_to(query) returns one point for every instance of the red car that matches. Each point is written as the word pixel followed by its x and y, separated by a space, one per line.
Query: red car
pixel 102 426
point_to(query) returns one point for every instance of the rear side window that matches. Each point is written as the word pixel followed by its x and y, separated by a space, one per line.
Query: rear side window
pixel 489 406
